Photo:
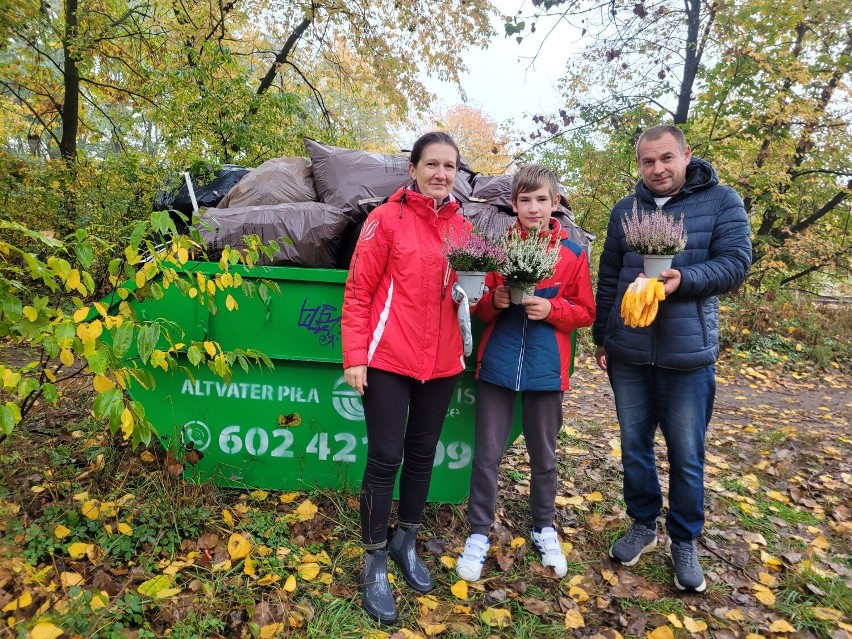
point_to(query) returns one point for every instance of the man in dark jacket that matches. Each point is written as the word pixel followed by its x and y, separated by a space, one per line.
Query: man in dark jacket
pixel 664 374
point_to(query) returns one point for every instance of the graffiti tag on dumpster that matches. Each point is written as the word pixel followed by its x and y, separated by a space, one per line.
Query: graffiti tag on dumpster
pixel 322 320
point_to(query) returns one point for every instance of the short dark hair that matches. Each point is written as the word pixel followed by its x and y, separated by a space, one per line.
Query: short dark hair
pixel 656 132
pixel 532 177
pixel 433 137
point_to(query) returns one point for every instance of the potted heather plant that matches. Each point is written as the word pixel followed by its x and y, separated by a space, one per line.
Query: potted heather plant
pixel 473 255
pixel 656 235
pixel 530 258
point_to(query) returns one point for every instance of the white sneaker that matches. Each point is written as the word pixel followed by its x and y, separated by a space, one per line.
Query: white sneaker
pixel 469 564
pixel 547 542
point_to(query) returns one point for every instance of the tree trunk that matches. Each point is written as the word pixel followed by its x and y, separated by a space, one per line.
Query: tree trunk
pixel 71 103
pixel 692 57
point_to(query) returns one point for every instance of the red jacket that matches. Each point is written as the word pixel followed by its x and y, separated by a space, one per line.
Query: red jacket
pixel 398 309
pixel 522 354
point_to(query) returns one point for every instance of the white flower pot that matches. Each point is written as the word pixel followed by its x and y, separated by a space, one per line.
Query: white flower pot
pixel 473 283
pixel 518 294
pixel 656 264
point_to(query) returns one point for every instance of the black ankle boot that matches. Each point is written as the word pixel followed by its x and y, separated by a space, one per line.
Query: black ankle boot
pixel 375 589
pixel 403 550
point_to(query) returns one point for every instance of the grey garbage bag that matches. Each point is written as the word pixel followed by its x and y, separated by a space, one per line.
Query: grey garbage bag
pixel 308 232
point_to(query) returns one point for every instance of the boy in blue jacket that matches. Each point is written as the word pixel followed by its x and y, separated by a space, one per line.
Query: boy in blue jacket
pixel 526 347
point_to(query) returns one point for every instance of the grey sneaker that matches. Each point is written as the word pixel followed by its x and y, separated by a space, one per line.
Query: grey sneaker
pixel 629 548
pixel 688 574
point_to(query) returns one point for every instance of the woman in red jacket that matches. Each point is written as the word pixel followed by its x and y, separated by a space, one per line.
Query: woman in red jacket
pixel 402 351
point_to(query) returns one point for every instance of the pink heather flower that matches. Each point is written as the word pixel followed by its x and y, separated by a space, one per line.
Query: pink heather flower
pixel 473 252
pixel 654 232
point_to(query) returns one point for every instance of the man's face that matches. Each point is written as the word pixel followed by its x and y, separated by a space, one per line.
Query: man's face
pixel 662 165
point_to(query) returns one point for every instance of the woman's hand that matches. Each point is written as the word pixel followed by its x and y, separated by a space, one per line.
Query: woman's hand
pixel 356 377
pixel 600 357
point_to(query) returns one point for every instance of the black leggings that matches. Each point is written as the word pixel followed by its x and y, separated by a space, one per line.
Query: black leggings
pixel 387 400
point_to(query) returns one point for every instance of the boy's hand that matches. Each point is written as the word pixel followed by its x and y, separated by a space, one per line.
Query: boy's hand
pixel 538 308
pixel 501 299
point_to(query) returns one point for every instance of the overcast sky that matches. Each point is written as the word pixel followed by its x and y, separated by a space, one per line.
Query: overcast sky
pixel 504 81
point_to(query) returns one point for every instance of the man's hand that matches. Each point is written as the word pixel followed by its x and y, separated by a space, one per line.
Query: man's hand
pixel 600 357
pixel 537 308
pixel 672 280
pixel 356 377
pixel 500 299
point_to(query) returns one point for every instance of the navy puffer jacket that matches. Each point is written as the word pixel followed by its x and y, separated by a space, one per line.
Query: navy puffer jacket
pixel 717 257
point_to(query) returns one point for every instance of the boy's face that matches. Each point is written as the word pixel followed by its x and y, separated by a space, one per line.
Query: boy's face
pixel 534 208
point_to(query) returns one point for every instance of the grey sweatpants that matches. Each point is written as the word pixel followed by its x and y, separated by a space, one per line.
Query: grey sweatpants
pixel 542 419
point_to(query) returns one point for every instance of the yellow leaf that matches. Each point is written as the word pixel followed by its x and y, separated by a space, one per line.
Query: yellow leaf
pixel 517 542
pixel 306 510
pixel 735 615
pixel 694 625
pixel 66 357
pixel 23 601
pixel 661 632
pixel 824 614
pixel 769 561
pixel 127 422
pixel 290 584
pixel 100 599
pixel 147 456
pixel 271 630
pixel 125 529
pixel 231 303
pixel 259 495
pixel 238 546
pixel 578 594
pixel 102 383
pixel 821 543
pixel 448 562
pixel 77 550
pixel 268 579
pixel 248 567
pixel 73 280
pixel 764 595
pixel 91 509
pixel 459 589
pixel 228 517
pixel 309 571
pixel 496 617
pixel 781 625
pixel 167 592
pixel 766 579
pixel 45 630
pixel 210 348
pixel 69 579
pixel 140 279
pixel 754 636
pixel 427 602
pixel 432 629
pixel 574 619
pixel 222 566
pixel 30 313
pixel 156 585
pixel 81 314
pixel 61 531
pixel 595 496
pixel 182 255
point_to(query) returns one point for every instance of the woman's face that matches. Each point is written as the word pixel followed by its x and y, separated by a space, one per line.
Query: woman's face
pixel 435 172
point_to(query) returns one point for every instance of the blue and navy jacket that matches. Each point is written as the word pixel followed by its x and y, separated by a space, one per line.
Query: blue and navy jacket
pixel 717 257
pixel 522 354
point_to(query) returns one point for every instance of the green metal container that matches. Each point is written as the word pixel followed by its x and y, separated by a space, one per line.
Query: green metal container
pixel 299 426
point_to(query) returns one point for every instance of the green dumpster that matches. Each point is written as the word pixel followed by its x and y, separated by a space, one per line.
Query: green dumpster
pixel 299 426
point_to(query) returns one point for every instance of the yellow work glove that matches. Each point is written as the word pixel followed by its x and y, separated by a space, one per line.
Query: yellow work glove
pixel 641 301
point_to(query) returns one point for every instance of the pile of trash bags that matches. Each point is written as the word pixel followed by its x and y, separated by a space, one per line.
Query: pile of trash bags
pixel 314 207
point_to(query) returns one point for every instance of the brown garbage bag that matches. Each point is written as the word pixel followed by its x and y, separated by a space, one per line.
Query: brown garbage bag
pixel 276 181
pixel 343 177
pixel 313 230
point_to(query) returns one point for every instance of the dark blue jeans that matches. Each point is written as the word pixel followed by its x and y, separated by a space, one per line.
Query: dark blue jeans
pixel 681 404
